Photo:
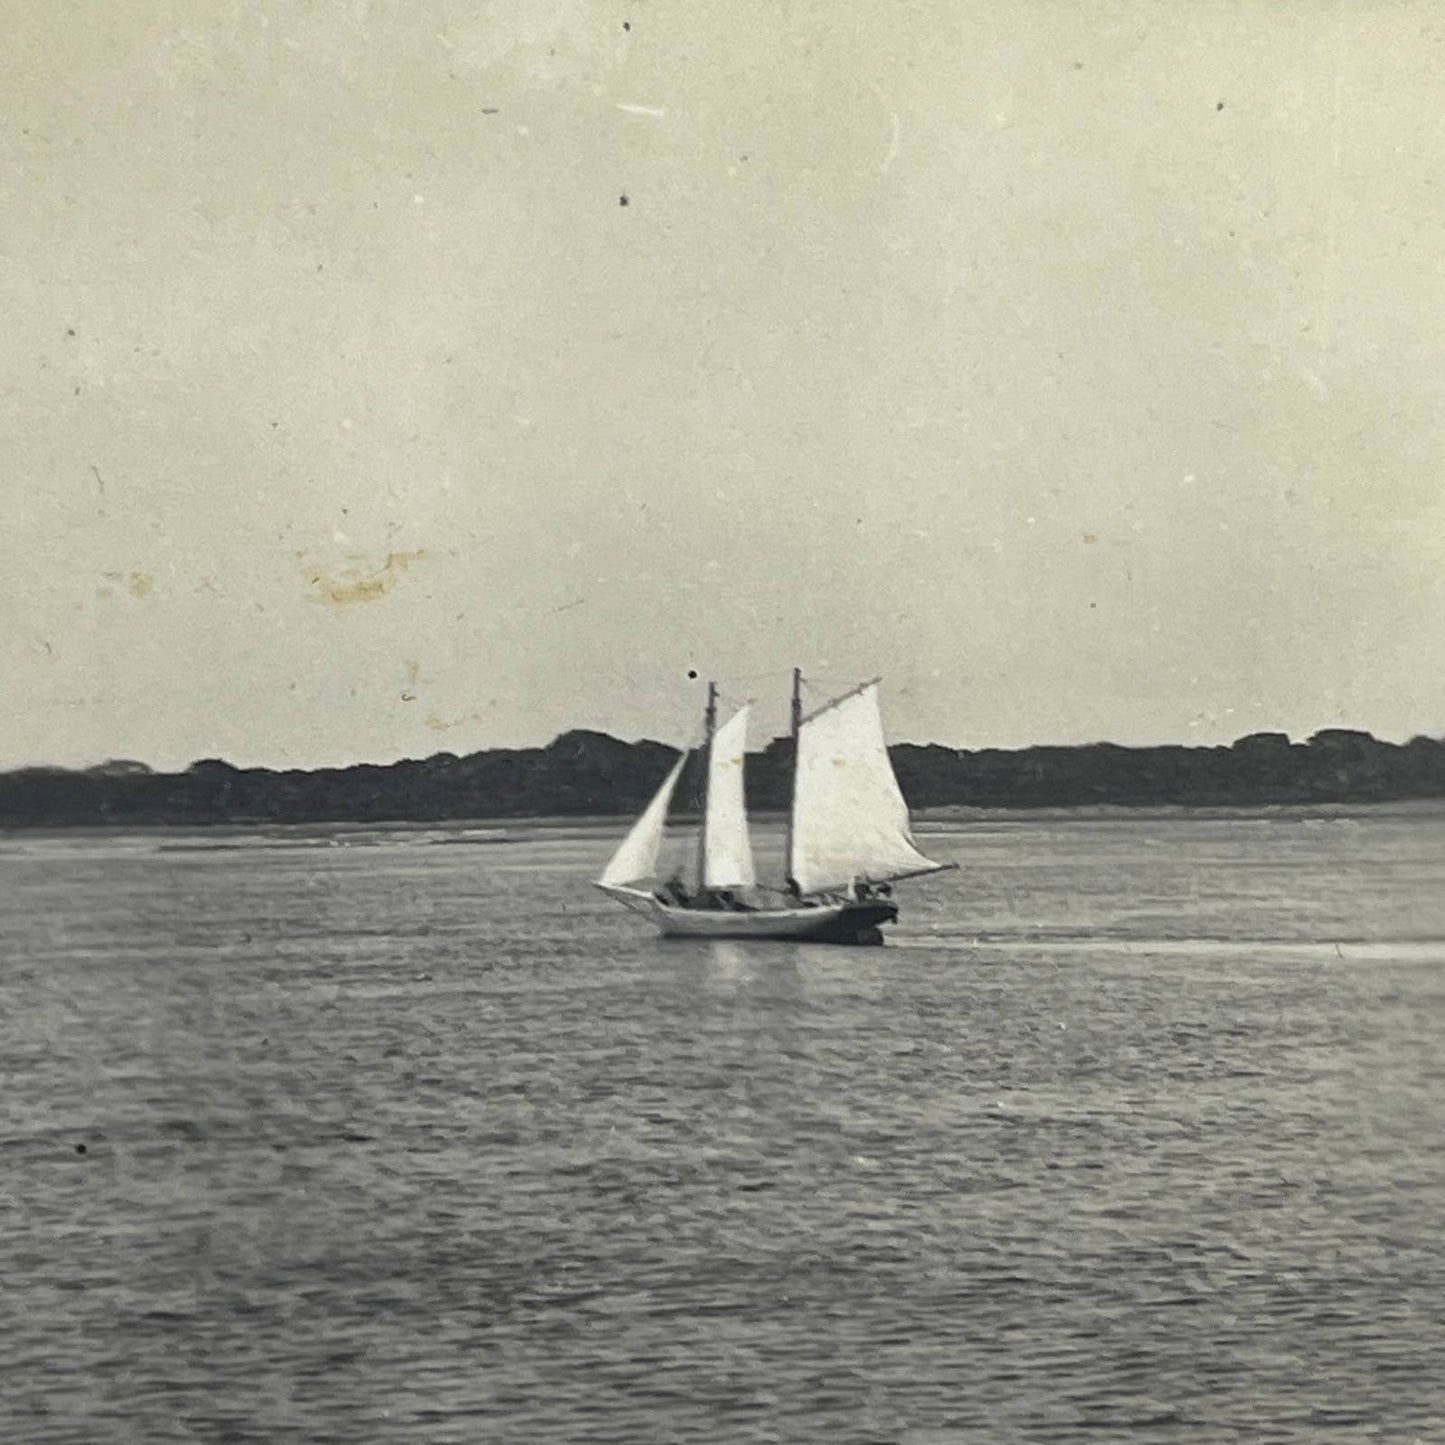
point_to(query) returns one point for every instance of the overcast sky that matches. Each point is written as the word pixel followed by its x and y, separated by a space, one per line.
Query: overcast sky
pixel 1077 367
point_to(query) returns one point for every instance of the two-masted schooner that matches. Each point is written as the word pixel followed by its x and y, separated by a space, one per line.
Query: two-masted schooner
pixel 848 838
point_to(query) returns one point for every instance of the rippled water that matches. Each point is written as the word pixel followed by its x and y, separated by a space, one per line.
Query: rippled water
pixel 1134 1131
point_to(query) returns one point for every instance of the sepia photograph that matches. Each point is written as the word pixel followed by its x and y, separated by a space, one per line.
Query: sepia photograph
pixel 724 722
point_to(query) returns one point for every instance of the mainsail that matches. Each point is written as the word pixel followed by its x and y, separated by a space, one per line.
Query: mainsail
pixel 636 858
pixel 849 818
pixel 726 852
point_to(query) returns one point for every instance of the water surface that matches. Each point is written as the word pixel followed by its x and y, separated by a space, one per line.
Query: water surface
pixel 1133 1132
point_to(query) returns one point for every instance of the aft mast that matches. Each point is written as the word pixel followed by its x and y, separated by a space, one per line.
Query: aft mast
pixel 709 728
pixel 795 719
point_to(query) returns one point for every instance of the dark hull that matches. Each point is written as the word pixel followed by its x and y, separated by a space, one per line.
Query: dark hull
pixel 848 923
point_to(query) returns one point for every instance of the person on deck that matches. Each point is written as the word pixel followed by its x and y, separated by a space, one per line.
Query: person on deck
pixel 795 895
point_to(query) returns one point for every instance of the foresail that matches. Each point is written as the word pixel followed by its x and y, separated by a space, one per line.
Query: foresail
pixel 727 853
pixel 636 858
pixel 849 817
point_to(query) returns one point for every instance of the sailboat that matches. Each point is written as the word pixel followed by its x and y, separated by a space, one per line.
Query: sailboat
pixel 848 838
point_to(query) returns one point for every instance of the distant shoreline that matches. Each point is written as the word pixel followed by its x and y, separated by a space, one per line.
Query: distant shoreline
pixel 588 775
pixel 507 829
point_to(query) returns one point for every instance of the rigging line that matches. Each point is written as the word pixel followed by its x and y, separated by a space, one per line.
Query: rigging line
pixel 826 681
pixel 735 703
pixel 753 676
pixel 691 743
pixel 823 693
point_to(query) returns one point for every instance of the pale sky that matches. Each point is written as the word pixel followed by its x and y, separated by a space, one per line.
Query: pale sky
pixel 1078 367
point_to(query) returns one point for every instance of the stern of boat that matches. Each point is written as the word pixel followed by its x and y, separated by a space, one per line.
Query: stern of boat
pixel 859 924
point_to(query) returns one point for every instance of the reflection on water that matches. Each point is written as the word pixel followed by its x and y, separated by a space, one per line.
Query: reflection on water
pixel 1131 1133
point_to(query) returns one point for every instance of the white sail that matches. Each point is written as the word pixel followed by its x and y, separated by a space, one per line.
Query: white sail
pixel 849 818
pixel 726 852
pixel 636 858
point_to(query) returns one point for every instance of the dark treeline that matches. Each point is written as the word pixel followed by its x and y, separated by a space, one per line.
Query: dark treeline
pixel 590 773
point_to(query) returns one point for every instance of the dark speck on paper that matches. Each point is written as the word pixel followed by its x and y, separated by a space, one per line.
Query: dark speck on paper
pixel 1219 105
pixel 622 200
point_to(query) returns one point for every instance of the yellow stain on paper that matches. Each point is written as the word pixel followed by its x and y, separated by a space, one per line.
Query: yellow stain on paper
pixel 359 579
